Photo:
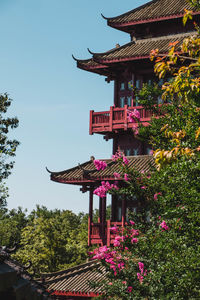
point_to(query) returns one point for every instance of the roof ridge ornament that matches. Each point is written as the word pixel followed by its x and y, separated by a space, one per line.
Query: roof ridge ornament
pixel 105 18
pixel 74 58
pixel 48 170
pixel 90 51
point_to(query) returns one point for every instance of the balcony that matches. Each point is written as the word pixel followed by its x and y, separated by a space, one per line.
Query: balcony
pixel 100 233
pixel 116 119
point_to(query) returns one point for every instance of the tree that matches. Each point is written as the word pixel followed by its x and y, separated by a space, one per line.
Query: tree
pixel 11 225
pixel 157 256
pixel 7 146
pixel 53 240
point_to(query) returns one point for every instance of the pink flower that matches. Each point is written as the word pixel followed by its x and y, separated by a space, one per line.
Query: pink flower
pixel 124 282
pixel 164 226
pixel 100 165
pixel 110 283
pixel 156 196
pixel 140 278
pixel 133 116
pixel 135 129
pixel 116 156
pixel 126 177
pixel 142 172
pixel 132 222
pixel 125 161
pixel 134 232
pixel 114 229
pixel 129 289
pixel 102 190
pixel 134 241
pixel 116 243
pixel 116 175
pixel 143 187
pixel 141 267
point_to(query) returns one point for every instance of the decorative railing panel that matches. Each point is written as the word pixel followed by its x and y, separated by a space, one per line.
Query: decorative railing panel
pixel 101 233
pixel 116 119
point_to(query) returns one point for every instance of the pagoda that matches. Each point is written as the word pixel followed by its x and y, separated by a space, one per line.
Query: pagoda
pixel 150 26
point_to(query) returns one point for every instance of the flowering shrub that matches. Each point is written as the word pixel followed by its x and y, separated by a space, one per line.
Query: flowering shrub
pixel 104 188
pixel 100 164
pixel 133 116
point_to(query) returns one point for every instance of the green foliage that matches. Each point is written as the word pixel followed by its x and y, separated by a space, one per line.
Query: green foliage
pixel 11 224
pixel 7 146
pixel 53 240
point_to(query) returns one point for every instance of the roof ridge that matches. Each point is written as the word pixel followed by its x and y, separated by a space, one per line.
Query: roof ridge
pixel 87 264
pixel 71 169
pixel 114 49
pixel 165 37
pixel 132 10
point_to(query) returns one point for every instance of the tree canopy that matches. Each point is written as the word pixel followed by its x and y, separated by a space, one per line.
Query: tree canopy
pixel 7 146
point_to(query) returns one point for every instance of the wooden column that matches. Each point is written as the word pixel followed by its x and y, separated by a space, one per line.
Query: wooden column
pixel 103 219
pixel 125 117
pixel 133 81
pixel 123 211
pixel 111 119
pixel 116 92
pixel 91 120
pixel 113 208
pixel 90 218
pixel 100 210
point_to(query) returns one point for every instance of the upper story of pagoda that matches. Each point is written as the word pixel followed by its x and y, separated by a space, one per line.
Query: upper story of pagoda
pixel 153 25
pixel 155 18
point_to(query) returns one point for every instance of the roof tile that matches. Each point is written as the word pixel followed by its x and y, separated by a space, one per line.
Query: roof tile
pixel 87 172
pixel 152 10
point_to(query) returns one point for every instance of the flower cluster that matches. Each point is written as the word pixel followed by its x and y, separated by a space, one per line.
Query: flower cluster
pixel 142 273
pixel 103 188
pixel 117 156
pixel 100 164
pixel 133 116
pixel 164 226
pixel 120 156
pixel 116 175
pixel 126 177
pixel 125 161
pixel 156 196
pixel 135 129
pixel 110 256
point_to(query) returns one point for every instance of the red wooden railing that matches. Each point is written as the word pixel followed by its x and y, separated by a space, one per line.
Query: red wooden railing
pixel 102 235
pixel 116 119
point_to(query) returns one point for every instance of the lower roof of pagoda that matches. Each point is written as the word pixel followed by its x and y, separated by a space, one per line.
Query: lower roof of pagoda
pixel 87 173
pixel 75 281
pixel 103 63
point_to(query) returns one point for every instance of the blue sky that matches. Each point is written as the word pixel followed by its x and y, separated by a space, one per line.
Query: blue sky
pixel 51 97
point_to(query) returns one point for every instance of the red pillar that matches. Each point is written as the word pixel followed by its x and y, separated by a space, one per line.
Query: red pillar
pixel 123 211
pixel 100 210
pixel 113 208
pixel 90 218
pixel 103 220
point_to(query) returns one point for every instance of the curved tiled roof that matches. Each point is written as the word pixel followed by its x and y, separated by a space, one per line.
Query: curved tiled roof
pixel 91 65
pixel 76 280
pixel 139 49
pixel 151 11
pixel 87 173
pixel 16 282
pixel 135 50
